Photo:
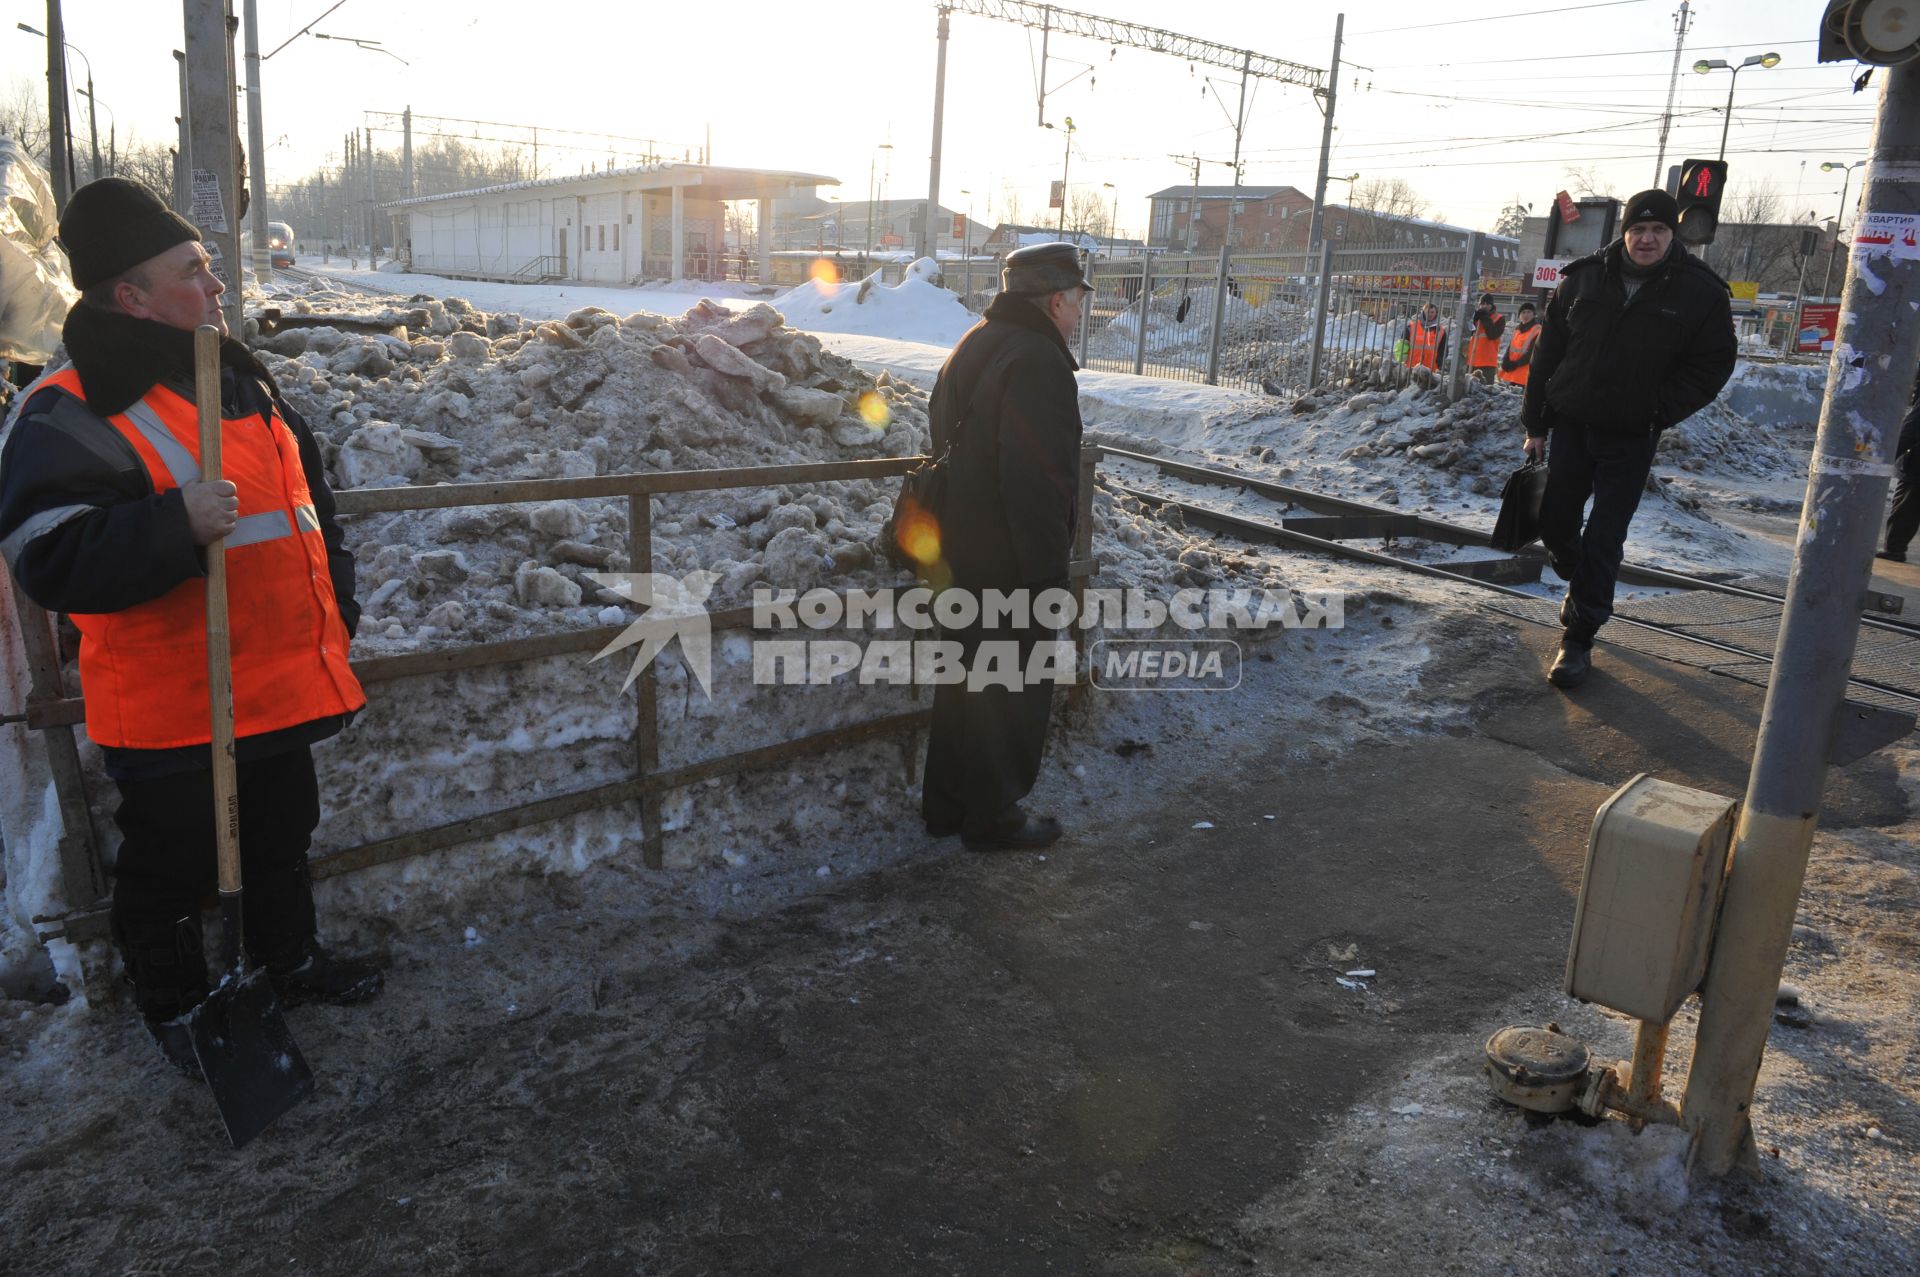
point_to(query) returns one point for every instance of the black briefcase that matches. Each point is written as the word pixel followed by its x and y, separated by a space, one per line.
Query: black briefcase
pixel 1519 523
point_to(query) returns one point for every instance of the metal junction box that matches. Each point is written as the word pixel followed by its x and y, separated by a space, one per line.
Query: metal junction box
pixel 1656 862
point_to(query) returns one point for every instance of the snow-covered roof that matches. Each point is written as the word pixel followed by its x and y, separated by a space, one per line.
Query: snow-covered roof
pixel 1222 192
pixel 752 182
pixel 1399 219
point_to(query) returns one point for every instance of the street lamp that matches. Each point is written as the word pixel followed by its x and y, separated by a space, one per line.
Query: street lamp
pixel 113 132
pixel 1060 231
pixel 1113 222
pixel 873 163
pixel 93 120
pixel 374 45
pixel 1839 215
pixel 1766 61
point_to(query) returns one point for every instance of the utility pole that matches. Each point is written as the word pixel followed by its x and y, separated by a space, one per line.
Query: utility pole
pixel 257 144
pixel 406 153
pixel 1874 353
pixel 373 211
pixel 1318 225
pixel 182 183
pixel 1681 21
pixel 927 241
pixel 1060 232
pixel 59 153
pixel 215 193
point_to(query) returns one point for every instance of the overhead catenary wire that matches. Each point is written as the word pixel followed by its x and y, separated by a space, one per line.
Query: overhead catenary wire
pixel 1502 17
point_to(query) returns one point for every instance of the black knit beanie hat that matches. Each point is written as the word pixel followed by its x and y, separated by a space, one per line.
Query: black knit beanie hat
pixel 112 225
pixel 1652 206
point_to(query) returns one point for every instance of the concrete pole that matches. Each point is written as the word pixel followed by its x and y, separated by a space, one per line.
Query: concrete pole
pixel 1226 245
pixel 928 240
pixel 1146 306
pixel 406 153
pixel 182 157
pixel 1463 315
pixel 257 144
pixel 1874 354
pixel 93 123
pixel 212 182
pixel 373 210
pixel 679 244
pixel 1322 296
pixel 58 158
pixel 1315 227
pixel 763 226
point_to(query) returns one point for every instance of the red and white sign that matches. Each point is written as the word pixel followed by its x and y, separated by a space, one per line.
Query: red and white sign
pixel 1569 211
pixel 1819 321
pixel 1057 195
pixel 1546 271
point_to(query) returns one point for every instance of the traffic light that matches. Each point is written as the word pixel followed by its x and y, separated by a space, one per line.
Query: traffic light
pixel 1702 183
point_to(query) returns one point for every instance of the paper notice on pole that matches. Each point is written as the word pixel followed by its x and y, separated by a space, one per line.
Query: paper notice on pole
pixel 1895 235
pixel 209 208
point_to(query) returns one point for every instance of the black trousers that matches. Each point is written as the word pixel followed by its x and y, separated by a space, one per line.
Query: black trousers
pixel 984 747
pixel 1612 469
pixel 167 867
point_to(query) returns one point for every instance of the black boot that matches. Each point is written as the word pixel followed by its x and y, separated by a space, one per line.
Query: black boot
pixel 321 977
pixel 1015 831
pixel 176 1045
pixel 1571 664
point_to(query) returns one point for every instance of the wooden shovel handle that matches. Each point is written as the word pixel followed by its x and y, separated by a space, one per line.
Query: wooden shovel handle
pixel 226 799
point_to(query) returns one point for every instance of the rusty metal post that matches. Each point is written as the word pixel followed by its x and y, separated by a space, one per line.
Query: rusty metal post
pixel 1874 352
pixel 646 734
pixel 1649 1062
pixel 82 876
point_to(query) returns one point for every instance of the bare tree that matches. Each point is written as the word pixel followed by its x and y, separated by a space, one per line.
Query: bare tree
pixel 1587 183
pixel 1009 205
pixel 1377 204
pixel 23 117
pixel 1753 244
pixel 1088 212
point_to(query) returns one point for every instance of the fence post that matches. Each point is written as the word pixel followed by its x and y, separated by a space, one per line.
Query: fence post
pixel 1146 297
pixel 1082 550
pixel 1219 319
pixel 1322 293
pixel 82 879
pixel 1086 310
pixel 646 727
pixel 1457 364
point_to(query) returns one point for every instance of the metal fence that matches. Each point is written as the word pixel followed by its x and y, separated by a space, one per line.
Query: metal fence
pixel 1284 322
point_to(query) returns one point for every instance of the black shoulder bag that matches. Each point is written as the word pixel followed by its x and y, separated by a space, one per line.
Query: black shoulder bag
pixel 910 538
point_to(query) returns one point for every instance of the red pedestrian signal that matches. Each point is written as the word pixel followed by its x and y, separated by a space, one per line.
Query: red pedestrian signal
pixel 1702 183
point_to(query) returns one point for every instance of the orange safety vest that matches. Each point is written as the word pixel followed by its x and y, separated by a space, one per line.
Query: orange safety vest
pixel 1423 345
pixel 143 670
pixel 1521 342
pixel 1483 351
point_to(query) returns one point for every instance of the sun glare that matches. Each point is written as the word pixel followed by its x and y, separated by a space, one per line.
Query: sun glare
pixel 823 272
pixel 874 410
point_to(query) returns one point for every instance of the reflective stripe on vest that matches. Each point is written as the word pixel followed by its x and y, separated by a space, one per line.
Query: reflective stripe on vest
pixel 1522 342
pixel 1423 345
pixel 1483 351
pixel 143 670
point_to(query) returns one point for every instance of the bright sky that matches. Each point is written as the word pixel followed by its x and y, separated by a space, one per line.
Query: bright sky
pixel 1471 107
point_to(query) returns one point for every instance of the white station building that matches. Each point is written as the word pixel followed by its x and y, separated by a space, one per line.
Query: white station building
pixel 654 221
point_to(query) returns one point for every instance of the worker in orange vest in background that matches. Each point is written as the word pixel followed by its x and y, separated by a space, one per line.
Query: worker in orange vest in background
pixel 1426 340
pixel 1483 350
pixel 1519 357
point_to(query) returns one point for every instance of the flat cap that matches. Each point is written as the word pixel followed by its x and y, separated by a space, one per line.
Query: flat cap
pixel 1041 269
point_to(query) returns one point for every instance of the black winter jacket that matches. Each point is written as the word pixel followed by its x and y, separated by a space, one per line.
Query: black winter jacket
pixel 132 545
pixel 1630 366
pixel 1007 392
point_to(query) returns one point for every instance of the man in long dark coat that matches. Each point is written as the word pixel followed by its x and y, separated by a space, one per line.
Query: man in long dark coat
pixel 1007 402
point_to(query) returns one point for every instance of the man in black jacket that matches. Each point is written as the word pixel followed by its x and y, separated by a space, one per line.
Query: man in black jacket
pixel 1638 337
pixel 104 515
pixel 1903 520
pixel 1007 403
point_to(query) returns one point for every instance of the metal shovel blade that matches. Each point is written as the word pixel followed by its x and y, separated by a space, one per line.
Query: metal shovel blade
pixel 248 1054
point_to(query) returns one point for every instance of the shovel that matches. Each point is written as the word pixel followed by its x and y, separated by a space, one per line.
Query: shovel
pixel 239 1033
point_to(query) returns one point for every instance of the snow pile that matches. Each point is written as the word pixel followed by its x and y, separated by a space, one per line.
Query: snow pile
pixel 1778 396
pixel 915 309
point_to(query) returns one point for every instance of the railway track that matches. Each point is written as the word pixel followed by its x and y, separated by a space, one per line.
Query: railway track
pixel 1727 626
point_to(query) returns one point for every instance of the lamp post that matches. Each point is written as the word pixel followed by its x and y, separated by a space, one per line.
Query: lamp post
pixel 1766 61
pixel 1349 179
pixel 93 119
pixel 1060 230
pixel 113 131
pixel 1113 222
pixel 873 166
pixel 1839 215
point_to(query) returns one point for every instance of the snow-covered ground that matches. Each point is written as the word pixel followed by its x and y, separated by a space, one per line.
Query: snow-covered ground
pixel 546 381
